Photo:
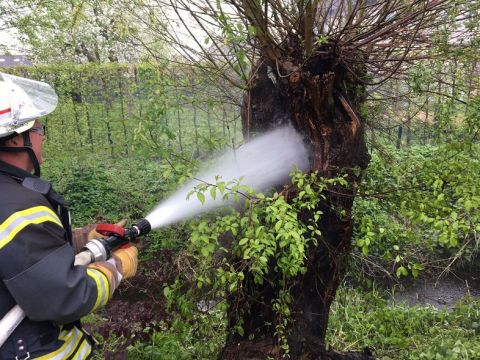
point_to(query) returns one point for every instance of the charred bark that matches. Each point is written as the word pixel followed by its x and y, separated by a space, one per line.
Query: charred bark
pixel 320 100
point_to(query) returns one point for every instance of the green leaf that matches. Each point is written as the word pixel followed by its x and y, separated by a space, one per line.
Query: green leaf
pixel 240 330
pixel 221 187
pixel 468 205
pixel 252 31
pixel 213 192
pixel 365 250
pixel 201 197
pixel 204 251
pixel 278 225
pixel 453 241
pixel 402 271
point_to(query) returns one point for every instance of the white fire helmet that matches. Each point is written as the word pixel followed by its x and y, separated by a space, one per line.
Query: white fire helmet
pixel 22 101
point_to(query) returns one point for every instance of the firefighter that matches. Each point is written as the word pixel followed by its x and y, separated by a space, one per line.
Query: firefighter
pixel 37 246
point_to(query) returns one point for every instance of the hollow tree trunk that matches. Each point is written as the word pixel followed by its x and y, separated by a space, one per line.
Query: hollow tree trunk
pixel 321 101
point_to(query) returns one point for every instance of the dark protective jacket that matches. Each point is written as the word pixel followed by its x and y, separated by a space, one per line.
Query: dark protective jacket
pixel 37 272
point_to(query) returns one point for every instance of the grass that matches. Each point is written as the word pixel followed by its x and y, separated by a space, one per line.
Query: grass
pixel 200 338
pixel 360 319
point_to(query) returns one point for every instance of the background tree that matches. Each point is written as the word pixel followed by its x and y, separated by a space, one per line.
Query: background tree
pixel 77 30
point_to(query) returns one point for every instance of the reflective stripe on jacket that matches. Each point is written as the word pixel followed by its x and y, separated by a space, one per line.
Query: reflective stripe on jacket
pixel 75 346
pixel 37 273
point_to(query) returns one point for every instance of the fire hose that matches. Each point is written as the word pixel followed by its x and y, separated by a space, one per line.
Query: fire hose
pixel 95 250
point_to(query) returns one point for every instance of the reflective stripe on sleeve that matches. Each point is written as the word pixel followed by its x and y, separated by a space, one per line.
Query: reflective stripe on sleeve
pixel 75 346
pixel 83 351
pixel 21 219
pixel 103 287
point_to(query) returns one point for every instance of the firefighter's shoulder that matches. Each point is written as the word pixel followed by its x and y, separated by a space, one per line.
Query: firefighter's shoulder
pixel 25 212
pixel 15 197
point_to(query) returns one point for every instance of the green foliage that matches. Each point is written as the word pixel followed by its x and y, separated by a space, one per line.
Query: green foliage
pixel 267 229
pixel 236 35
pixel 265 240
pixel 200 338
pixel 99 190
pixel 419 205
pixel 80 31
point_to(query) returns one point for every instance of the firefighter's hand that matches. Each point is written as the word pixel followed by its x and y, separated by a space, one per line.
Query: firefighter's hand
pixel 126 260
pixel 80 237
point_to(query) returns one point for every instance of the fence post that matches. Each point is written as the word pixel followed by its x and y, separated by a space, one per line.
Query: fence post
pixel 197 149
pixel 122 109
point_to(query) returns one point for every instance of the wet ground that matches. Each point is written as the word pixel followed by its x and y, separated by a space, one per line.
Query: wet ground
pixel 440 293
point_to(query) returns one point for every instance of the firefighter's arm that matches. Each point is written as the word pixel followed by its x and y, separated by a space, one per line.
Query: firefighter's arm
pixel 36 265
pixel 122 265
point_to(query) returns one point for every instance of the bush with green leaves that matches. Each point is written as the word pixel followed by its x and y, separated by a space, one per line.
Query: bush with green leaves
pixel 124 189
pixel 420 205
pixel 261 238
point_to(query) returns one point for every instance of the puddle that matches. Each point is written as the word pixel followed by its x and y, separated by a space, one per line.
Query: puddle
pixel 439 293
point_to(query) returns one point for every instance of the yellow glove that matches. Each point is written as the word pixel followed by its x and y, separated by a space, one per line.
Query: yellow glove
pixel 126 260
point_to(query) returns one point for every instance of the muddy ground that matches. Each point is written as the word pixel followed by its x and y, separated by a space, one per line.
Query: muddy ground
pixel 138 304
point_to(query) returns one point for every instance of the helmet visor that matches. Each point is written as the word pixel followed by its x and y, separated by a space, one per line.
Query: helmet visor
pixel 42 99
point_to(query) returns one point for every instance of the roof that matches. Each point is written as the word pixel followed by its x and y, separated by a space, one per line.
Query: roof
pixel 14 60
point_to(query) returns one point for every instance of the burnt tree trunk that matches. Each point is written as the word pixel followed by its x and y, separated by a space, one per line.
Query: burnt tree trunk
pixel 320 100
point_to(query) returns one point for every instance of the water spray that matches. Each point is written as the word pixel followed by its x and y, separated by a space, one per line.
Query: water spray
pixel 263 162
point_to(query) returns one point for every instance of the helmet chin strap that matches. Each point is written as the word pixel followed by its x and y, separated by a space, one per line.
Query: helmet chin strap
pixel 27 147
pixel 27 144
